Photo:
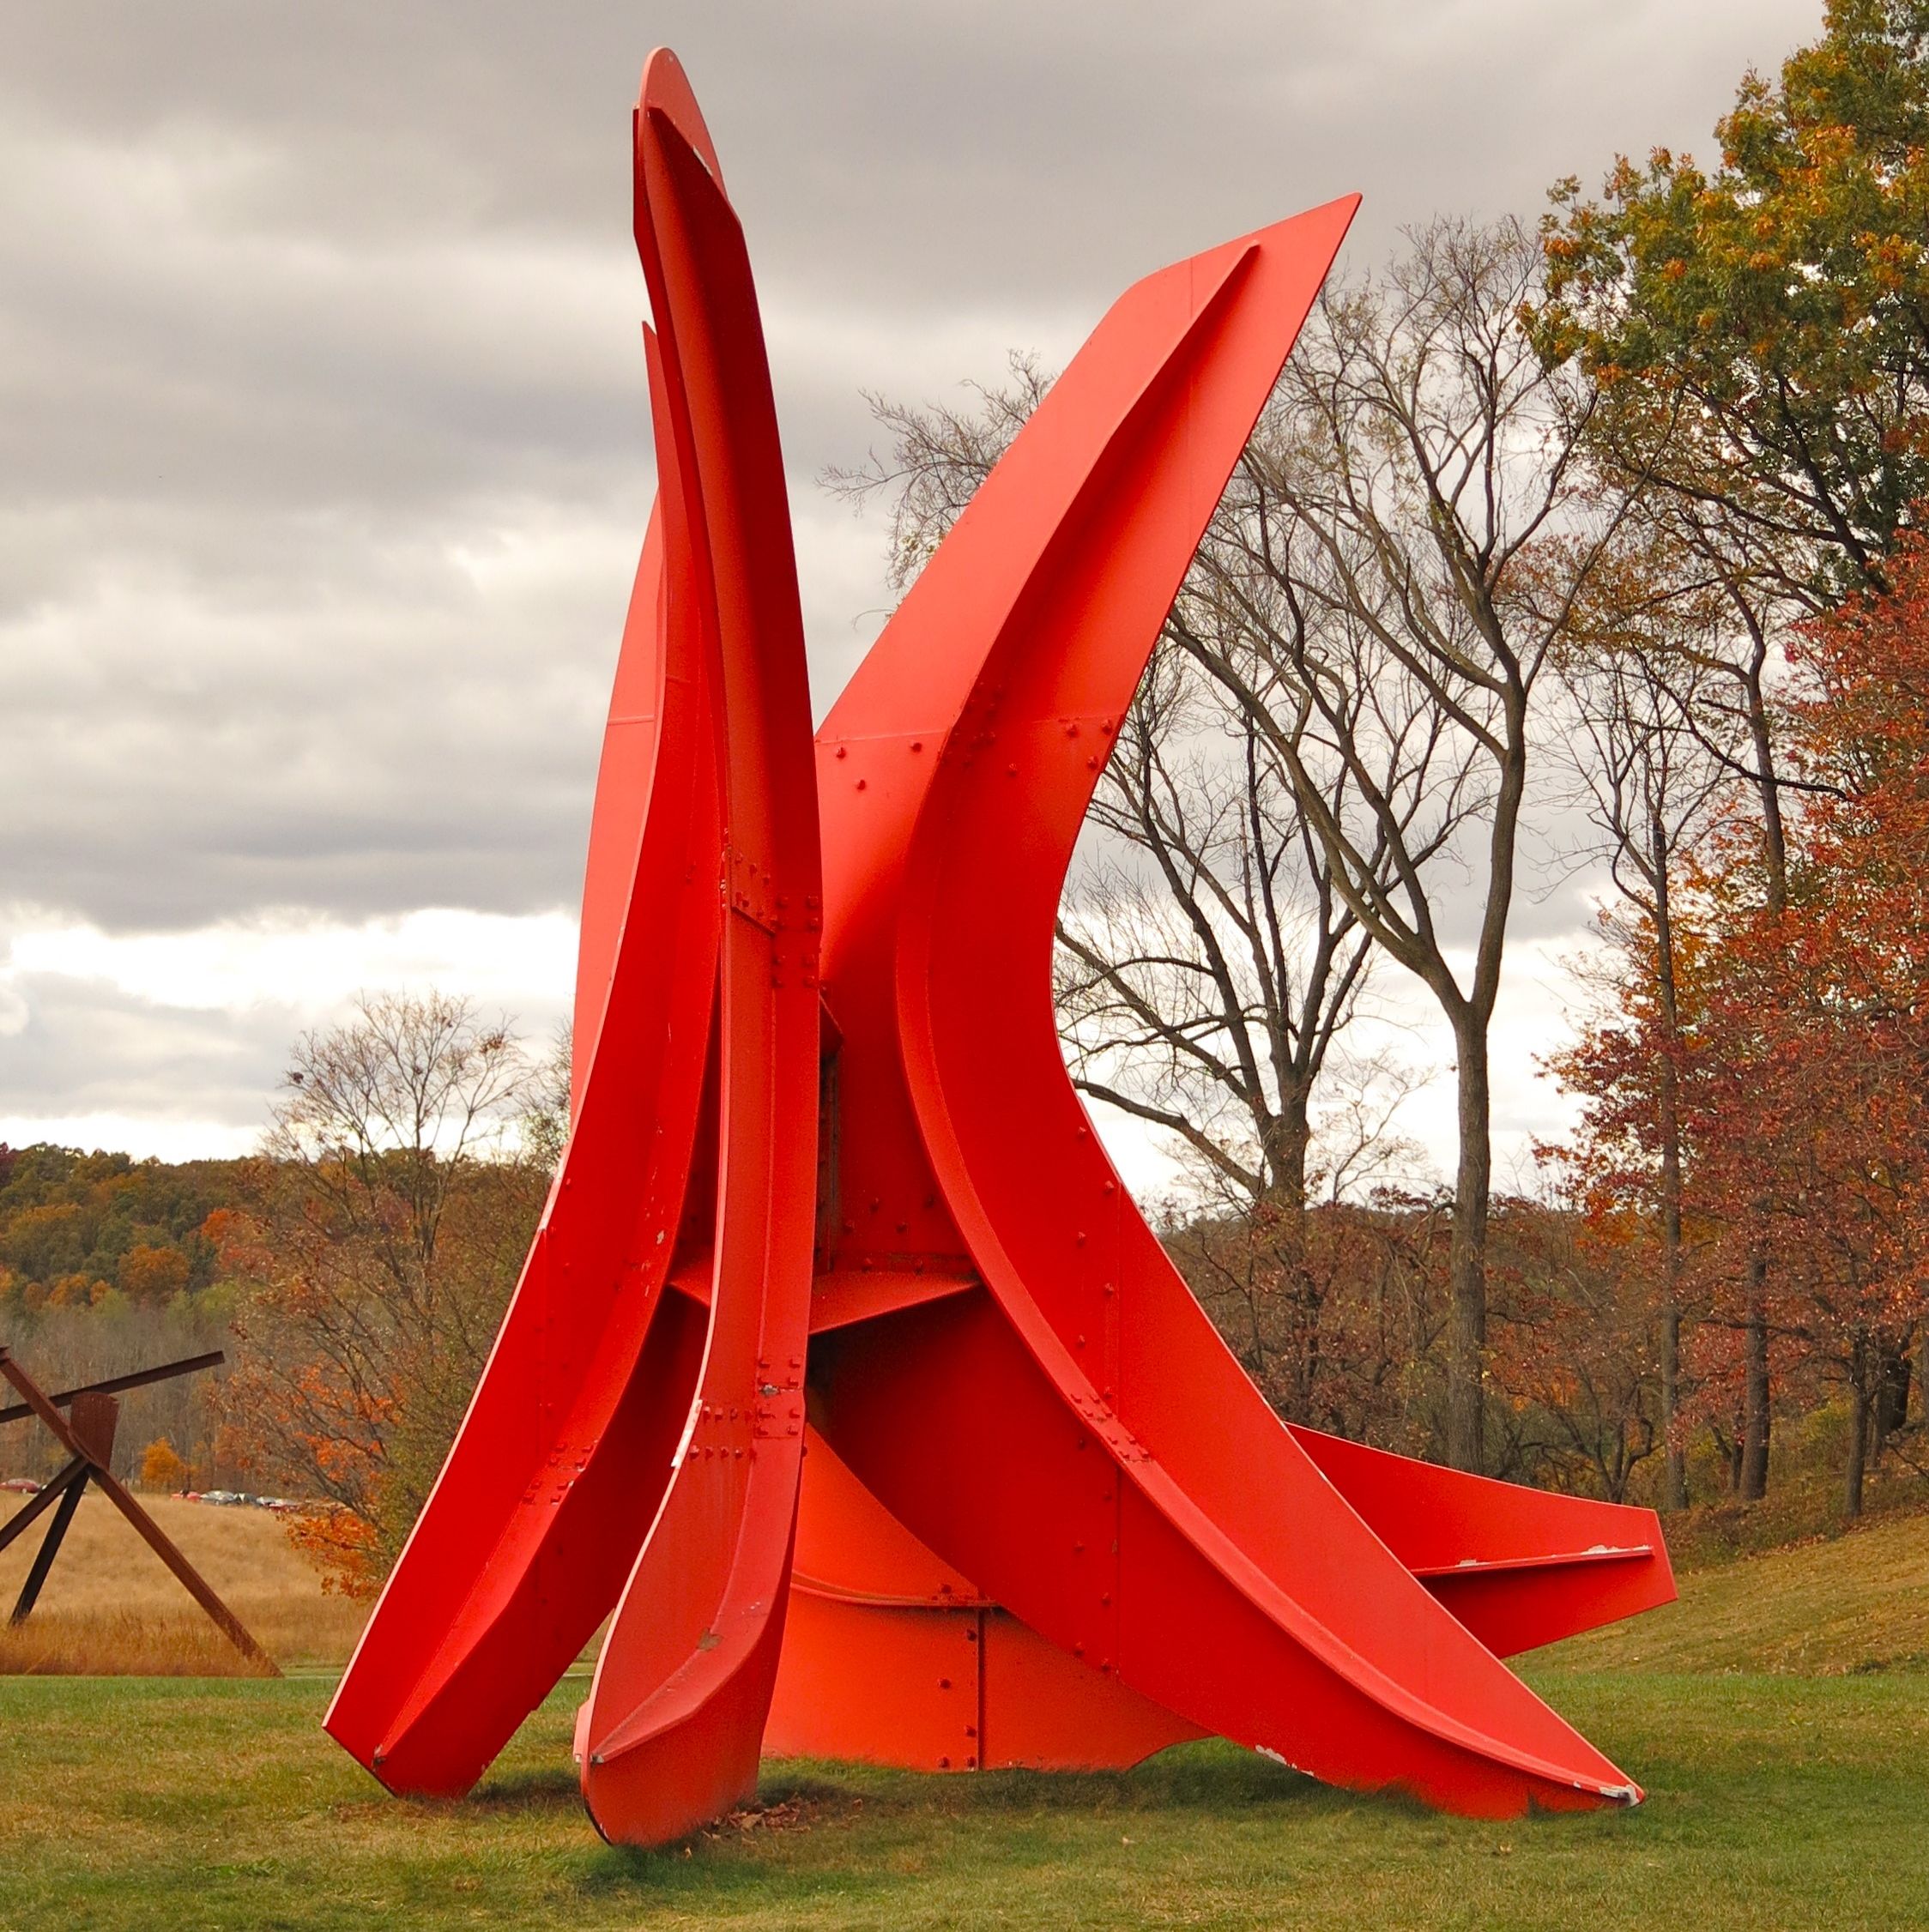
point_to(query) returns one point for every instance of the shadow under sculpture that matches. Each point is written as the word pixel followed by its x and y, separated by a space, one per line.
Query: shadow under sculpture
pixel 820 1112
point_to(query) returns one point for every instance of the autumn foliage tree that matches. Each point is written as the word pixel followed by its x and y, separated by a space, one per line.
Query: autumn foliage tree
pixel 1850 1030
pixel 1754 333
pixel 387 1222
pixel 161 1468
pixel 1802 1071
pixel 1759 329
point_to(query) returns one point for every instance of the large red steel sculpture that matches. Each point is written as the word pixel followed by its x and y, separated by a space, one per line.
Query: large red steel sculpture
pixel 1044 1518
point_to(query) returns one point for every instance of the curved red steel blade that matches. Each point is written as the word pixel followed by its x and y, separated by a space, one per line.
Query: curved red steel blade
pixel 563 1457
pixel 1520 1568
pixel 621 807
pixel 1075 1437
pixel 892 1657
pixel 669 1733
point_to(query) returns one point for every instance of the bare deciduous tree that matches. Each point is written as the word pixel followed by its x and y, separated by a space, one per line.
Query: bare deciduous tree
pixel 1417 531
pixel 1206 965
pixel 391 1211
pixel 1653 769
pixel 1722 588
pixel 1205 969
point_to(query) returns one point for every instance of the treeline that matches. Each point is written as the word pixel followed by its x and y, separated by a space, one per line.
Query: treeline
pixel 104 1230
pixel 109 1265
pixel 1341 1319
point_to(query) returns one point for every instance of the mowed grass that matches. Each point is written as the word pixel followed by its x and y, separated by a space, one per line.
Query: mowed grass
pixel 1774 1804
pixel 1776 1799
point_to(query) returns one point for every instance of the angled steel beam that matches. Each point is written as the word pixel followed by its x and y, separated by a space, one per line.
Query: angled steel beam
pixel 71 1475
pixel 113 1385
pixel 50 1548
pixel 94 1419
pixel 95 1469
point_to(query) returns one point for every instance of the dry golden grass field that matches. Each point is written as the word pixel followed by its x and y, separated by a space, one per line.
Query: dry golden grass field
pixel 109 1607
pixel 1844 1603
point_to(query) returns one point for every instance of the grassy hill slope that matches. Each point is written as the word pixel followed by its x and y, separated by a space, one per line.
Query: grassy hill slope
pixel 1858 1602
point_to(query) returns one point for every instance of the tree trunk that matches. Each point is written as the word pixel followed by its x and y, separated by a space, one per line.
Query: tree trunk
pixel 1467 1316
pixel 1761 733
pixel 1755 1337
pixel 1858 1429
pixel 1279 1220
pixel 1893 1375
pixel 1775 836
pixel 1755 1384
pixel 1674 1486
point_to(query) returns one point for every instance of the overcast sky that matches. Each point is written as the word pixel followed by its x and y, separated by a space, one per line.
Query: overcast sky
pixel 327 458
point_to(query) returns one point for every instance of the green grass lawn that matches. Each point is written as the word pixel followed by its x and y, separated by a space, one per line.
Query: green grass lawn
pixel 1778 1715
pixel 1774 1801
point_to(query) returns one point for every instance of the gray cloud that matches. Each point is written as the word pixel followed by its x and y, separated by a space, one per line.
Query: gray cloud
pixel 88 1049
pixel 322 401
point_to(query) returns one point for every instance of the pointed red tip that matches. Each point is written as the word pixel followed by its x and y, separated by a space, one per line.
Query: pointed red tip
pixel 665 90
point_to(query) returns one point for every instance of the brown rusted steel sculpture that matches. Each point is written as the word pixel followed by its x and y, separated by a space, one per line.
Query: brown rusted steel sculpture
pixel 1044 1517
pixel 86 1434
